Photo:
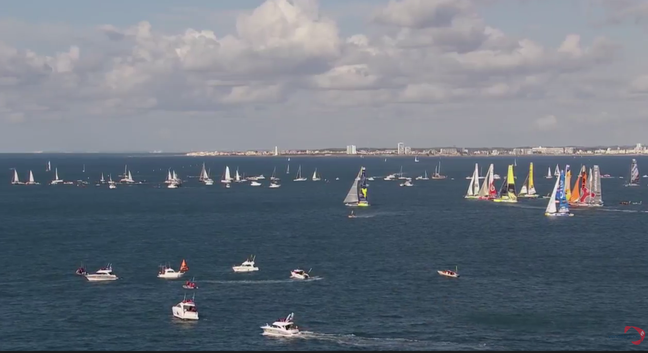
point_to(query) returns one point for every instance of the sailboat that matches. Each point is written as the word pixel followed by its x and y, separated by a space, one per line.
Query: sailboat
pixel 299 175
pixel 575 192
pixel 274 177
pixel 48 167
pixel 558 205
pixel 634 174
pixel 557 171
pixel 357 195
pixel 83 169
pixel 288 168
pixel 227 178
pixel 204 176
pixel 111 183
pixel 594 198
pixel 127 177
pixel 15 180
pixel 437 173
pixel 424 177
pixel 473 186
pixel 315 177
pixel 548 176
pixel 507 192
pixel 31 179
pixel 487 190
pixel 416 160
pixel 237 177
pixel 56 178
pixel 102 180
pixel 401 176
pixel 528 189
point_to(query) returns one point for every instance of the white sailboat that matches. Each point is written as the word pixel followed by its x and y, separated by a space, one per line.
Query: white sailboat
pixel 357 195
pixel 56 178
pixel 473 186
pixel 558 205
pixel 634 174
pixel 127 177
pixel 169 178
pixel 111 183
pixel 548 176
pixel 237 177
pixel 299 175
pixel 315 177
pixel 48 167
pixel 437 173
pixel 424 177
pixel 594 198
pixel 401 176
pixel 557 171
pixel 416 160
pixel 15 180
pixel 487 190
pixel 227 178
pixel 31 179
pixel 102 180
pixel 274 172
pixel 288 168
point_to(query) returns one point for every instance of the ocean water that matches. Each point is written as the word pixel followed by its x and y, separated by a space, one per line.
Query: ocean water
pixel 528 282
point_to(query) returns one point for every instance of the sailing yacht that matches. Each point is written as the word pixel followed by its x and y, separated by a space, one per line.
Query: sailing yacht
pixel 473 186
pixel 558 205
pixel 357 195
pixel 528 189
pixel 299 175
pixel 111 183
pixel 31 179
pixel 48 167
pixel 56 178
pixel 288 169
pixel 227 178
pixel 557 171
pixel 487 190
pixel 594 197
pixel 15 180
pixel 102 180
pixel 416 160
pixel 437 173
pixel 176 182
pixel 548 176
pixel 237 177
pixel 401 176
pixel 204 176
pixel 127 176
pixel 315 177
pixel 274 177
pixel 424 177
pixel 507 192
pixel 634 174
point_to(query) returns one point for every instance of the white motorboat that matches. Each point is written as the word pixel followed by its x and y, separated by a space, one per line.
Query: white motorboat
pixel 299 274
pixel 274 185
pixel 282 328
pixel 255 183
pixel 103 274
pixel 190 284
pixel 228 186
pixel 390 177
pixel 172 186
pixel 246 266
pixel 185 310
pixel 449 273
pixel 169 273
pixel 407 183
pixel 81 271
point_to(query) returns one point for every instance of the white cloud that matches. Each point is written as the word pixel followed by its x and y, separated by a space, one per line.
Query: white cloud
pixel 287 56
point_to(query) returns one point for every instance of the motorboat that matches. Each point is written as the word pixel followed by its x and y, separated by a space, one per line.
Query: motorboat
pixel 282 328
pixel 255 183
pixel 449 273
pixel 299 274
pixel 274 185
pixel 407 183
pixel 227 186
pixel 172 186
pixel 81 271
pixel 246 266
pixel 352 215
pixel 103 274
pixel 169 273
pixel 190 285
pixel 185 310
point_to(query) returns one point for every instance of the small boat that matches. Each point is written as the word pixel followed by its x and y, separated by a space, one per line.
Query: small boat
pixel 423 177
pixel 548 176
pixel 167 272
pixel 274 185
pixel 407 183
pixel 81 271
pixel 299 274
pixel 528 189
pixel 246 266
pixel 190 285
pixel 282 328
pixel 255 183
pixel 448 273
pixel 625 203
pixel 352 215
pixel 315 176
pixel 227 186
pixel 103 274
pixel 185 310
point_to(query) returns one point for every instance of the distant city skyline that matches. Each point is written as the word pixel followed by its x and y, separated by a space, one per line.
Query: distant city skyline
pixel 300 74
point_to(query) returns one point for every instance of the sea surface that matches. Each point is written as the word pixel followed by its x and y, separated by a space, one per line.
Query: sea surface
pixel 528 282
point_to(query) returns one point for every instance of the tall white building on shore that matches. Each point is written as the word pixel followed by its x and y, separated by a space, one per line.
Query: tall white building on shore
pixel 276 151
pixel 401 148
pixel 351 149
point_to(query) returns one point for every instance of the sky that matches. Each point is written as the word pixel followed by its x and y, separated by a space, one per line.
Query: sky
pixel 204 75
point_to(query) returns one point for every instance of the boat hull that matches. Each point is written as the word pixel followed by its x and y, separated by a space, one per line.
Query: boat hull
pixel 559 214
pixel 505 200
pixel 445 274
pixel 170 275
pixel 298 276
pixel 189 287
pixel 527 196
pixel 471 197
pixel 96 278
pixel 244 269
pixel 271 331
pixel 184 315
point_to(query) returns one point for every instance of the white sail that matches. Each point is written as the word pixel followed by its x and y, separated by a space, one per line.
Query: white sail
pixel 315 178
pixel 551 205
pixel 169 176
pixel 598 194
pixel 15 180
pixel 49 166
pixel 31 177
pixel 352 195
pixel 203 173
pixel 557 171
pixel 56 177
pixel 288 168
pixel 130 176
pixel 588 197
pixel 237 176
pixel 102 178
pixel 473 187
pixel 634 172
pixel 174 176
pixel 227 173
pixel 548 172
pixel 485 187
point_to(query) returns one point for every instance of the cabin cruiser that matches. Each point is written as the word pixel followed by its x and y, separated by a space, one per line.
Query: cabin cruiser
pixel 103 274
pixel 190 285
pixel 185 310
pixel 390 177
pixel 282 328
pixel 299 274
pixel 167 272
pixel 255 183
pixel 448 273
pixel 246 266
pixel 274 185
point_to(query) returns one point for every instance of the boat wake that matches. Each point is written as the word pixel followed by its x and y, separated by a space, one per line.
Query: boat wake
pixel 356 341
pixel 619 210
pixel 261 281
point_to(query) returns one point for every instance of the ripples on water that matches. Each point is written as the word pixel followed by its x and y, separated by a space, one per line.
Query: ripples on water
pixel 528 282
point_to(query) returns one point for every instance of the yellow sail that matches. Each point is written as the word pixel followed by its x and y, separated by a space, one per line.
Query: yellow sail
pixel 531 176
pixel 511 184
pixel 567 184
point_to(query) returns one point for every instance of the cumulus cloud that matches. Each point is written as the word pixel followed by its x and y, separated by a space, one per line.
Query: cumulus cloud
pixel 430 52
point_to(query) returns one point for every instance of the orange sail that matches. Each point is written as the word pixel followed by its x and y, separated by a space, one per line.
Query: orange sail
pixel 575 192
pixel 184 267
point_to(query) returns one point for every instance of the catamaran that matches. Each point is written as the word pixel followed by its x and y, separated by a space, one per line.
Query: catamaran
pixel 299 175
pixel 31 179
pixel 558 205
pixel 594 197
pixel 487 190
pixel 548 176
pixel 634 174
pixel 528 189
pixel 315 177
pixel 507 192
pixel 15 180
pixel 473 186
pixel 357 195
pixel 227 178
